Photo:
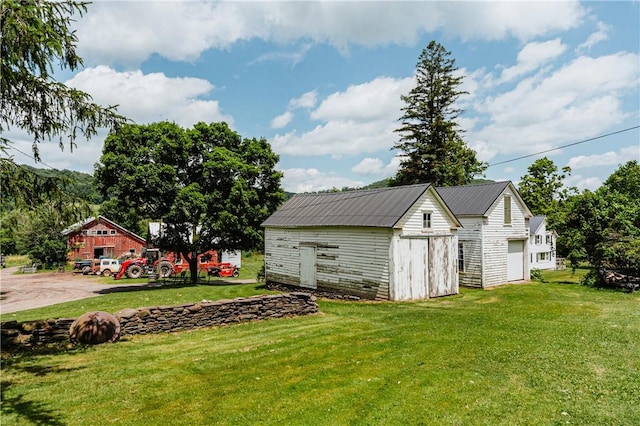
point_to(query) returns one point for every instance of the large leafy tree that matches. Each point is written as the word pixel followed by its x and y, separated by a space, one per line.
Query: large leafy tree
pixel 543 190
pixel 209 186
pixel 430 138
pixel 603 227
pixel 36 40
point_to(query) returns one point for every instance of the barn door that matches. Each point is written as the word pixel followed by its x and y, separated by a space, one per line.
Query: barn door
pixel 515 260
pixel 308 267
pixel 443 258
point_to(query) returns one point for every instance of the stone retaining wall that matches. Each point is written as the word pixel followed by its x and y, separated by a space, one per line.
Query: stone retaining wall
pixel 158 319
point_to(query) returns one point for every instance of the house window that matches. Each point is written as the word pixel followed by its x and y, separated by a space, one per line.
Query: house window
pixel 507 210
pixel 544 257
pixel 84 232
pixel 113 232
pixel 461 257
pixel 426 220
pixel 538 239
pixel 549 239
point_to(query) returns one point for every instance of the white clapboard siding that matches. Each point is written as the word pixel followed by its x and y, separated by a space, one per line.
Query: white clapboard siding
pixel 495 238
pixel 352 259
pixel 411 222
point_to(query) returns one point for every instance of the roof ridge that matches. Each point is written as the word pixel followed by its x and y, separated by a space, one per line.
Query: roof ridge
pixel 504 182
pixel 387 188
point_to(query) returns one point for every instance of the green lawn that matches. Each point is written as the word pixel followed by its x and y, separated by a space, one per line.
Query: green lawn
pixel 529 354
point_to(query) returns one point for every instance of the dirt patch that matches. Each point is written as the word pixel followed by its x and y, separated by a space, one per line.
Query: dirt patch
pixel 19 291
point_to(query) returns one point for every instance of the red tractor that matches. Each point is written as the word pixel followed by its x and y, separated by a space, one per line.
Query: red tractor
pixel 148 264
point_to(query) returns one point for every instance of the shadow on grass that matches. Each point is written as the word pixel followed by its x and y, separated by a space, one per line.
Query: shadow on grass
pixel 34 412
pixel 164 284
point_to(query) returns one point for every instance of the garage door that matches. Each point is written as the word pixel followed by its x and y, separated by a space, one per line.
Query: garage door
pixel 515 261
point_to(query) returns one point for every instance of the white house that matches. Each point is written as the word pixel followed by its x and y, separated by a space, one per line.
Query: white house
pixel 389 244
pixel 542 244
pixel 492 244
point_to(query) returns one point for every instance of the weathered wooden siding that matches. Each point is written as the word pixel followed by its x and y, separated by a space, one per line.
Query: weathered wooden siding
pixel 495 241
pixel 471 236
pixel 103 237
pixel 351 260
pixel 410 273
pixel 411 223
pixel 443 266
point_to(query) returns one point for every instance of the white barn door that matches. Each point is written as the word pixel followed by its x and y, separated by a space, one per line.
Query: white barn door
pixel 443 273
pixel 515 260
pixel 308 267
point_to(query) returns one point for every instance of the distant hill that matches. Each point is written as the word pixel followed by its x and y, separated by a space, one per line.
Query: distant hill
pixel 80 184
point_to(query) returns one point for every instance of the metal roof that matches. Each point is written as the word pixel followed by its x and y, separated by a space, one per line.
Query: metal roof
pixel 472 200
pixel 534 223
pixel 77 227
pixel 382 207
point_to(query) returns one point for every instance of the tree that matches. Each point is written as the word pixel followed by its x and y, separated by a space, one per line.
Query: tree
pixel 542 189
pixel 210 187
pixel 603 227
pixel 430 138
pixel 36 34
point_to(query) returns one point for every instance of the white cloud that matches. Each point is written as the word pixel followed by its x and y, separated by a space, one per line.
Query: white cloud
pixel 532 56
pixel 306 180
pixel 361 119
pixel 147 98
pixel 307 100
pixel 579 100
pixel 282 120
pixel 130 32
pixel 610 158
pixel 363 102
pixel 591 183
pixel 375 166
pixel 601 35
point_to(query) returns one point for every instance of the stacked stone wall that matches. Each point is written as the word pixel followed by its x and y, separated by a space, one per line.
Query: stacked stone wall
pixel 159 319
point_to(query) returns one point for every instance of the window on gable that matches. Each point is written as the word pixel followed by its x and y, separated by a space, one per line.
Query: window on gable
pixel 426 220
pixel 507 210
pixel 549 239
pixel 538 239
pixel 113 232
pixel 460 257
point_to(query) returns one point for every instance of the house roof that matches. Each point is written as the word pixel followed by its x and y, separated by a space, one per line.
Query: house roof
pixel 534 223
pixel 76 227
pixel 382 207
pixel 472 200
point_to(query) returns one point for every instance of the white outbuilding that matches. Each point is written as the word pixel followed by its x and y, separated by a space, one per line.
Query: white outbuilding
pixel 396 243
pixel 492 244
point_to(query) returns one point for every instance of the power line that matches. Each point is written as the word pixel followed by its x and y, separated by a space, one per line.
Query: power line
pixel 564 146
pixel 31 157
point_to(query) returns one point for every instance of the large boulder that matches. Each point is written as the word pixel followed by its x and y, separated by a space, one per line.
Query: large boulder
pixel 94 328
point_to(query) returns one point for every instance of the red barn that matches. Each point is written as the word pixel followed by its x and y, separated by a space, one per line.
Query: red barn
pixel 97 237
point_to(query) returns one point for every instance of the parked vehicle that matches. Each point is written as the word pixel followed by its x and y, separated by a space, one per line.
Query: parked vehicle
pixel 148 264
pixel 83 265
pixel 104 267
pixel 223 270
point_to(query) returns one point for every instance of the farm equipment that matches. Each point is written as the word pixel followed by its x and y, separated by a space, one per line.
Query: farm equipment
pixel 148 264
pixel 223 270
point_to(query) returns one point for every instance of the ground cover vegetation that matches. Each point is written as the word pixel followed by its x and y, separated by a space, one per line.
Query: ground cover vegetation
pixel 540 353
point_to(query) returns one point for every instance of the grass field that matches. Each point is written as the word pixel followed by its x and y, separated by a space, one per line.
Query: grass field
pixel 530 354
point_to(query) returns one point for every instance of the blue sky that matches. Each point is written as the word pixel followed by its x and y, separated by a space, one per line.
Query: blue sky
pixel 322 80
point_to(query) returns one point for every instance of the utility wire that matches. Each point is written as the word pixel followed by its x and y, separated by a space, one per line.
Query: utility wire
pixel 564 146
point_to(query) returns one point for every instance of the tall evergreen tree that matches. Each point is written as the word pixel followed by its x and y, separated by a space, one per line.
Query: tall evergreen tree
pixel 430 138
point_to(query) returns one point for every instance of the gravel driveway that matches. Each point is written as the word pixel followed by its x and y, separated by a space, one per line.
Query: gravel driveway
pixel 26 291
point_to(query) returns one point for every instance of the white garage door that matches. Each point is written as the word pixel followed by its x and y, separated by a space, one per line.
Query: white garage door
pixel 515 261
